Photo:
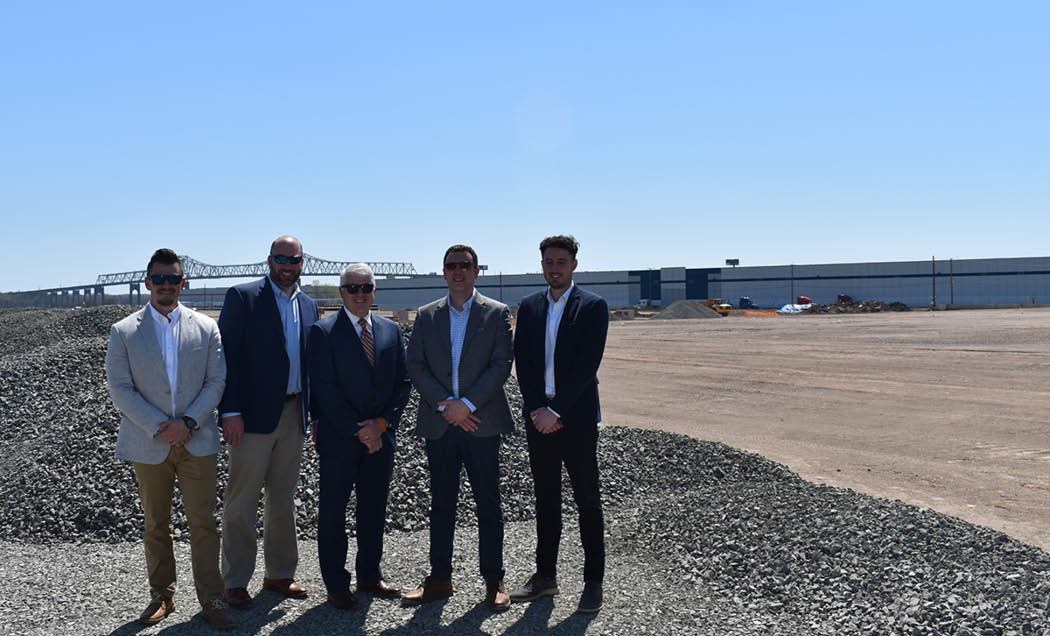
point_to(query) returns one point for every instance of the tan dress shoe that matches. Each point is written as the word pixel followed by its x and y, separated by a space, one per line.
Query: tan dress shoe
pixel 288 587
pixel 496 597
pixel 379 588
pixel 156 611
pixel 429 590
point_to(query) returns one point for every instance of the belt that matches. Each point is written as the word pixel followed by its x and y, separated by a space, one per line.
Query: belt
pixel 291 396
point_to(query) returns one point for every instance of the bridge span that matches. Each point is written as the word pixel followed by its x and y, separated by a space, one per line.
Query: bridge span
pixel 95 293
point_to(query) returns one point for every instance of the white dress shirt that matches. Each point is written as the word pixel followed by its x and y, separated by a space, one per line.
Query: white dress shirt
pixel 555 309
pixel 167 330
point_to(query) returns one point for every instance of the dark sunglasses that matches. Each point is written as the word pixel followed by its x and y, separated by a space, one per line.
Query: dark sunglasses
pixel 171 279
pixel 281 259
pixel 353 288
pixel 451 267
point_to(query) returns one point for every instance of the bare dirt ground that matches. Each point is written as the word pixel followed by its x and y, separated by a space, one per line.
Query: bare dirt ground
pixel 948 410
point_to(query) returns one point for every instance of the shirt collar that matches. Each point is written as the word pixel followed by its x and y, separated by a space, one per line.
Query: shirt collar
pixel 280 292
pixel 563 297
pixel 354 319
pixel 173 316
pixel 466 304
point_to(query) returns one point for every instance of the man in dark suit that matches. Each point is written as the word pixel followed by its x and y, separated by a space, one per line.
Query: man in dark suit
pixel 459 358
pixel 264 326
pixel 558 347
pixel 360 388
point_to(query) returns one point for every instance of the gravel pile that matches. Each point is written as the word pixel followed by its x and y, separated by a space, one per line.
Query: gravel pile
pixel 26 329
pixel 680 309
pixel 856 307
pixel 732 530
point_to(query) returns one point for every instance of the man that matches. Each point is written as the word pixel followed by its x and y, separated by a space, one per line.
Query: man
pixel 264 327
pixel 360 388
pixel 558 346
pixel 166 372
pixel 459 357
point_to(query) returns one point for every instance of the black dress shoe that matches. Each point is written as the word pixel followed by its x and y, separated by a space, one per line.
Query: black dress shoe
pixel 344 600
pixel 591 599
pixel 379 588
pixel 534 588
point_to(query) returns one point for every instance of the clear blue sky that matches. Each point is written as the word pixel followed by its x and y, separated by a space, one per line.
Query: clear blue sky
pixel 660 134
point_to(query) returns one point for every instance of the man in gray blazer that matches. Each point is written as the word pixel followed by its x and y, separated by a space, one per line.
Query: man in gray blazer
pixel 166 373
pixel 459 357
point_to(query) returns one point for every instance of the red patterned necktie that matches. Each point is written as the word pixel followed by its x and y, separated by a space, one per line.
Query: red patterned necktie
pixel 367 342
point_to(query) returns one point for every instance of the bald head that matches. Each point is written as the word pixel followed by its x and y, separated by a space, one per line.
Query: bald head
pixel 287 241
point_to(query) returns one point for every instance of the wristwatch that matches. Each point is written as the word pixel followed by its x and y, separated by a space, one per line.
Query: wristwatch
pixel 191 423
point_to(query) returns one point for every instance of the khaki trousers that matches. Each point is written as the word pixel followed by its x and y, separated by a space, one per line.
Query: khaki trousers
pixel 196 477
pixel 270 461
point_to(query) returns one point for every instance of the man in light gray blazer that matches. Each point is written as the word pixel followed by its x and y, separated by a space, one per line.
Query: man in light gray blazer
pixel 166 373
pixel 459 357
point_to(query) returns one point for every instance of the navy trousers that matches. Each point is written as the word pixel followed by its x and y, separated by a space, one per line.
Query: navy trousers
pixel 446 458
pixel 345 466
pixel 577 449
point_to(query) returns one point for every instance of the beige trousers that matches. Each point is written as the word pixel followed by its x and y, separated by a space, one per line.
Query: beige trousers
pixel 196 477
pixel 269 461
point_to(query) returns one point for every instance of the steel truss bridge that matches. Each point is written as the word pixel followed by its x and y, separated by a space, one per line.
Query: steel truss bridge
pixel 94 293
pixel 312 266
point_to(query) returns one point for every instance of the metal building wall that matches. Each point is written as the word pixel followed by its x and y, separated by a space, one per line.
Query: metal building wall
pixel 915 283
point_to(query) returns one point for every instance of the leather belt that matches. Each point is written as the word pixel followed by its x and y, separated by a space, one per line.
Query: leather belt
pixel 291 396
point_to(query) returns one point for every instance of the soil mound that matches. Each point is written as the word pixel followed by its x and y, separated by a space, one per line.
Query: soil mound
pixel 681 309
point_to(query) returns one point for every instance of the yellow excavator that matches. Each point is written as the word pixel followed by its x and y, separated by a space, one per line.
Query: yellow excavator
pixel 719 305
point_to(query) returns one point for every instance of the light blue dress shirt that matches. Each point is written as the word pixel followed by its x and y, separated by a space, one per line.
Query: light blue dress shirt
pixel 289 309
pixel 457 325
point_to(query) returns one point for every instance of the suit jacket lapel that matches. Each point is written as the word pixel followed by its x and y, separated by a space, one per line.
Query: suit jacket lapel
pixel 146 339
pixel 347 340
pixel 443 322
pixel 266 295
pixel 473 324
pixel 186 343
pixel 568 316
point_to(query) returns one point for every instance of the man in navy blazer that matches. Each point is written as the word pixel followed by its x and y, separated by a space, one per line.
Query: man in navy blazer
pixel 264 326
pixel 558 346
pixel 360 388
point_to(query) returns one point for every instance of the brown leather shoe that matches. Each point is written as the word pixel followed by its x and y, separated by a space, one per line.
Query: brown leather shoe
pixel 156 611
pixel 288 587
pixel 217 614
pixel 496 597
pixel 379 588
pixel 429 590
pixel 344 600
pixel 238 598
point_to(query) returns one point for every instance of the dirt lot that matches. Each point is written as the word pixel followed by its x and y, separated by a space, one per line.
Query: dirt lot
pixel 947 410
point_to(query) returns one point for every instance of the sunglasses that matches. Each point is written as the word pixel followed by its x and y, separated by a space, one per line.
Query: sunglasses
pixel 353 288
pixel 281 259
pixel 171 279
pixel 464 265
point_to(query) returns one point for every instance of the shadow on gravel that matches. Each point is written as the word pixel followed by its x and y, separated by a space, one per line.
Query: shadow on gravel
pixel 325 619
pixel 127 629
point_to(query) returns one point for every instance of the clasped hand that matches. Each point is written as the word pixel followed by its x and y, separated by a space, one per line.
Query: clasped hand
pixel 371 435
pixel 174 432
pixel 457 413
pixel 546 421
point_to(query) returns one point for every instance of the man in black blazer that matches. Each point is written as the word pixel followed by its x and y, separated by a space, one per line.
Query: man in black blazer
pixel 459 358
pixel 264 326
pixel 558 346
pixel 360 388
